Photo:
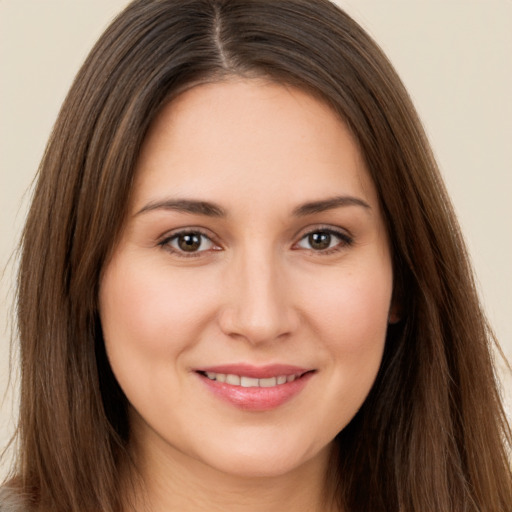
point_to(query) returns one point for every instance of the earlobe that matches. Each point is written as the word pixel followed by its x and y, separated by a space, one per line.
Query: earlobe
pixel 396 310
pixel 395 313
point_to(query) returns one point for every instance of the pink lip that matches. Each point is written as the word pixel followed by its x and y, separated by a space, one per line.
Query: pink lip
pixel 256 398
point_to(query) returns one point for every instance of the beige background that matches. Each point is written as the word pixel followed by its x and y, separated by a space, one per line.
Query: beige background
pixel 454 57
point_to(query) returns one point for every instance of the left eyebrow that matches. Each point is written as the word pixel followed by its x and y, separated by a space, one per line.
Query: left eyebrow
pixel 185 206
pixel 329 204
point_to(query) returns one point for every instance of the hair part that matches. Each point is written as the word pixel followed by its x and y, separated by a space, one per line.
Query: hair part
pixel 432 434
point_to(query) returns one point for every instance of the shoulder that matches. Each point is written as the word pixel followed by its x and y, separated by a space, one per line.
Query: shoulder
pixel 10 501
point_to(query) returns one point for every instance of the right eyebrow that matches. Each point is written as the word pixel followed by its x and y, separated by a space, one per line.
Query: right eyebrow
pixel 185 206
pixel 329 204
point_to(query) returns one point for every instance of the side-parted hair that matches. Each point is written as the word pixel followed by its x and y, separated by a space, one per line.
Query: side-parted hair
pixel 432 434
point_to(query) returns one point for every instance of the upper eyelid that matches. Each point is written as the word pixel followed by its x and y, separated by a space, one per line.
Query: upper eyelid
pixel 168 235
pixel 323 227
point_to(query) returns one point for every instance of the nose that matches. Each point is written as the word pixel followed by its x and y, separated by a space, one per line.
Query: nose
pixel 258 303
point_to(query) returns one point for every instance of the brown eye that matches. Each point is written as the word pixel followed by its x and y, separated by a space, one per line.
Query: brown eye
pixel 324 241
pixel 320 240
pixel 189 242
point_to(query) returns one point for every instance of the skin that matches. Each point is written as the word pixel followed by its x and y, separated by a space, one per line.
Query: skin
pixel 256 291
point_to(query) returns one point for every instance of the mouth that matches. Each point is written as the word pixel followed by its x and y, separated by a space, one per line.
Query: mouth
pixel 255 388
pixel 246 381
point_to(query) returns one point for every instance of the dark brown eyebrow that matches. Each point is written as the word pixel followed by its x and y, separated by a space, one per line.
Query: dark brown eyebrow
pixel 213 210
pixel 329 204
pixel 186 206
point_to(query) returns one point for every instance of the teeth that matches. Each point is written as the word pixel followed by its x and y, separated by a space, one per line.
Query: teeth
pixel 268 383
pixel 251 382
pixel 233 379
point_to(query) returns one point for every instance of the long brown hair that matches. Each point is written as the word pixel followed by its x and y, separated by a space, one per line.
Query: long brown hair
pixel 432 434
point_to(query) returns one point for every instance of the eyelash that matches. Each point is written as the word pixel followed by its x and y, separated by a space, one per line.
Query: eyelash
pixel 344 241
pixel 166 243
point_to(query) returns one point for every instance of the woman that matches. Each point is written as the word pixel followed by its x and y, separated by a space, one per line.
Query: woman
pixel 242 284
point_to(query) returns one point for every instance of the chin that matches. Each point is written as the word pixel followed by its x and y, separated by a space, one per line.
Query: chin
pixel 251 460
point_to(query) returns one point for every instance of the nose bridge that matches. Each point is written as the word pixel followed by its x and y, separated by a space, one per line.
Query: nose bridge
pixel 259 307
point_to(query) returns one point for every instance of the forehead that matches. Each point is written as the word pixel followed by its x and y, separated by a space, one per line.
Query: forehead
pixel 249 139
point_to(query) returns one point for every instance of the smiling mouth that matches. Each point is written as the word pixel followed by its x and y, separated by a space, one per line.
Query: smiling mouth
pixel 245 381
pixel 255 389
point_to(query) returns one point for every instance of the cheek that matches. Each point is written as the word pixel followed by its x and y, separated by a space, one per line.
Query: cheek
pixel 151 318
pixel 351 308
pixel 351 319
pixel 145 308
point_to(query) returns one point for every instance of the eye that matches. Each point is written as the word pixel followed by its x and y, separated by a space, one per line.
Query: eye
pixel 188 243
pixel 324 240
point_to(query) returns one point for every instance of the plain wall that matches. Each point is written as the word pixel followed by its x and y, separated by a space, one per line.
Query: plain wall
pixel 454 57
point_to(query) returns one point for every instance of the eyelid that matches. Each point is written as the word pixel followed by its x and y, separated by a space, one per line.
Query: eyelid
pixel 346 238
pixel 164 241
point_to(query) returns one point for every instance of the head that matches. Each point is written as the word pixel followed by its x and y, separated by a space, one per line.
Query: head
pixel 152 55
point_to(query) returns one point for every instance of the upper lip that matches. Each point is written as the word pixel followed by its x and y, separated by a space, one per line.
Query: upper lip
pixel 256 372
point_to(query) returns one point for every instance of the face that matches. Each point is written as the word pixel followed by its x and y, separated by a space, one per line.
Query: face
pixel 246 303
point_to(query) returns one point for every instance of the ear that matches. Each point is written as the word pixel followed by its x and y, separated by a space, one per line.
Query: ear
pixel 395 313
pixel 396 308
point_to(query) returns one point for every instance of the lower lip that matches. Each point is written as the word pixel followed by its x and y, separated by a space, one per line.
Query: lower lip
pixel 256 398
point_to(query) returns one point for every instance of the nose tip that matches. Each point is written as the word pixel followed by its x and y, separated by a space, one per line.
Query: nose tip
pixel 258 307
pixel 255 328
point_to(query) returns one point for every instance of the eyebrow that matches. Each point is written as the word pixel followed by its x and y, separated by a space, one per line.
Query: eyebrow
pixel 186 206
pixel 214 210
pixel 329 204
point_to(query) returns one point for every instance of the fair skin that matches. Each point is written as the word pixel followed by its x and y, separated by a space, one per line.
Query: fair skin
pixel 285 274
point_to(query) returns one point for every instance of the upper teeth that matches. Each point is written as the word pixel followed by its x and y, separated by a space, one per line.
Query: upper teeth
pixel 250 382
